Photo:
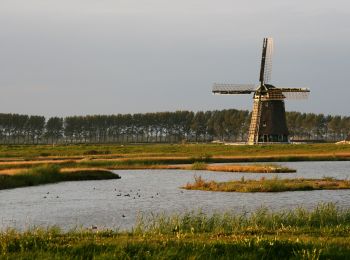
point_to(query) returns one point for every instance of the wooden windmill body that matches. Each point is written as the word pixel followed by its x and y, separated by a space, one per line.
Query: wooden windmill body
pixel 268 120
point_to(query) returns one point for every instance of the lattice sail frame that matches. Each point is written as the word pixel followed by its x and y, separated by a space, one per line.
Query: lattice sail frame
pixel 268 60
pixel 281 93
pixel 233 88
pixel 295 93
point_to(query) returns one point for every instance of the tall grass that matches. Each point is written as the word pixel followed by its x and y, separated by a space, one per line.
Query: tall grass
pixel 322 233
pixel 50 174
pixel 324 217
pixel 112 246
pixel 34 176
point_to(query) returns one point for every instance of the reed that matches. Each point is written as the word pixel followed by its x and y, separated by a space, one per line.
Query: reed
pixel 320 233
pixel 324 217
pixel 268 185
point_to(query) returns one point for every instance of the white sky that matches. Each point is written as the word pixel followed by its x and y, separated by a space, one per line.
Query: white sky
pixel 68 57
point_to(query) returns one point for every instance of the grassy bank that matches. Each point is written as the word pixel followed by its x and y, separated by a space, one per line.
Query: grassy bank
pixel 268 185
pixel 149 163
pixel 165 156
pixel 51 174
pixel 321 233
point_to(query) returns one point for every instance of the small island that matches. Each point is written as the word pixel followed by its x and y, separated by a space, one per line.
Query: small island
pixel 250 168
pixel 269 185
pixel 46 174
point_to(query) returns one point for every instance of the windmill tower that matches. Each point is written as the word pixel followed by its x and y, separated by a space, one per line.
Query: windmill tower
pixel 268 123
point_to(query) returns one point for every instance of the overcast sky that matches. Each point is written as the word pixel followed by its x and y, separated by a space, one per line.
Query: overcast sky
pixel 77 57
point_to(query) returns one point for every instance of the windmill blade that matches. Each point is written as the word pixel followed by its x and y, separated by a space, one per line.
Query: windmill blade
pixel 233 88
pixel 266 61
pixel 295 93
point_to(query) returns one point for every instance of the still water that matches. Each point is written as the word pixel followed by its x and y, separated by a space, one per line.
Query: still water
pixel 117 203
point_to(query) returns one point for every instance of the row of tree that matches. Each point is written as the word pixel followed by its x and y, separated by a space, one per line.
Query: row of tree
pixel 228 125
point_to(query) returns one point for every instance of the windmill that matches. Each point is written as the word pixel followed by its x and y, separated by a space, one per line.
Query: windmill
pixel 268 122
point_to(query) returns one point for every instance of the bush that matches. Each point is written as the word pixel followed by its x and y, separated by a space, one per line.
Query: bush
pixel 199 166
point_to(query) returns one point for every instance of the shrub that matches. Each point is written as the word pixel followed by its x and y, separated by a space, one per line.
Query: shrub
pixel 199 166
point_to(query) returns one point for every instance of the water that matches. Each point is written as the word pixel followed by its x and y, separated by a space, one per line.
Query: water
pixel 87 203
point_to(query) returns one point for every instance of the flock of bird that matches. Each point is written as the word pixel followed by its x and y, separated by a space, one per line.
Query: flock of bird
pixel 47 193
pixel 134 196
pixel 120 193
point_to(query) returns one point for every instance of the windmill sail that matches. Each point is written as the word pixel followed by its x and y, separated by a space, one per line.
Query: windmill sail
pixel 295 93
pixel 233 88
pixel 266 61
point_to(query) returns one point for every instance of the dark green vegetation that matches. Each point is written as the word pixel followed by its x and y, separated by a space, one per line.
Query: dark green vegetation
pixel 51 174
pixel 228 125
pixel 321 233
pixel 269 185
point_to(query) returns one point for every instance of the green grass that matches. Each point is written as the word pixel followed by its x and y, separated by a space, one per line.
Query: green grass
pixel 325 218
pixel 196 151
pixel 268 185
pixel 51 174
pixel 320 233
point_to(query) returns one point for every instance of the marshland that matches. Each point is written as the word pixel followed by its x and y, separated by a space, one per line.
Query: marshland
pixel 127 201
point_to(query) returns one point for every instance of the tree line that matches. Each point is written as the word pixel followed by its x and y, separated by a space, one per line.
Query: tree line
pixel 167 127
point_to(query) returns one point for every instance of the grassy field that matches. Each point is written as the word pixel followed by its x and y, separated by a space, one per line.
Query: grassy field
pixel 321 233
pixel 51 174
pixel 203 151
pixel 268 185
pixel 151 156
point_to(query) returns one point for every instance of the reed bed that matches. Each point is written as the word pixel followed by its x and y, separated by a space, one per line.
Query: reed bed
pixel 320 233
pixel 268 185
pixel 51 174
pixel 324 217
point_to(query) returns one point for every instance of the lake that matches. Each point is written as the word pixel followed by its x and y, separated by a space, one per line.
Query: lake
pixel 117 203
